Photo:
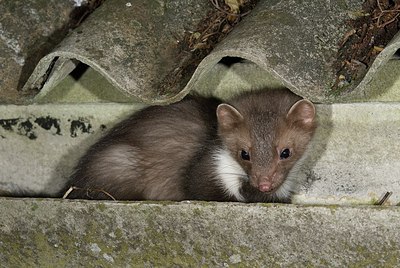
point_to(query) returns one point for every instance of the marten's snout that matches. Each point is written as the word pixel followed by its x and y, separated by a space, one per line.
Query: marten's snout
pixel 266 183
pixel 265 186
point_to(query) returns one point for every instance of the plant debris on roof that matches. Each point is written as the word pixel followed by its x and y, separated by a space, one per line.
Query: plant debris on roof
pixel 373 28
pixel 197 44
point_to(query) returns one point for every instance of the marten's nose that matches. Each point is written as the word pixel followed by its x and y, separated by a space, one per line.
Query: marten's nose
pixel 265 186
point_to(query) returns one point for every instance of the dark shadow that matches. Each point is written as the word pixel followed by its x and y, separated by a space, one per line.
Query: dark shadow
pixel 79 70
pixel 229 61
pixel 396 55
pixel 317 147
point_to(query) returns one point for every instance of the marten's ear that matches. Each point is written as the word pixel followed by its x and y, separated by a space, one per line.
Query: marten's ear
pixel 303 113
pixel 228 116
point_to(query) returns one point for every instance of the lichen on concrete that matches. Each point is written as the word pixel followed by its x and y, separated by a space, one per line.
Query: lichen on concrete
pixel 77 233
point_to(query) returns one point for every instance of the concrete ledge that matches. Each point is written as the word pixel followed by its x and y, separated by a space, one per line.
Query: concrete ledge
pixel 354 157
pixel 64 233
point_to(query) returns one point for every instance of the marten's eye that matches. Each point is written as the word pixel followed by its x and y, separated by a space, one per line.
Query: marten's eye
pixel 285 153
pixel 245 155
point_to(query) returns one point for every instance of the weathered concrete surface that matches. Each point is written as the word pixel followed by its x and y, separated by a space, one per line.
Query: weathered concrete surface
pixel 353 158
pixel 134 45
pixel 295 42
pixel 28 31
pixel 41 143
pixel 63 233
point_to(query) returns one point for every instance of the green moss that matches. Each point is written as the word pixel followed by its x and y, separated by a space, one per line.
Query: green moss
pixel 34 207
pixel 342 4
pixel 13 249
pixel 164 248
pixel 45 252
pixel 118 234
pixel 267 205
pixel 333 208
pixel 108 233
pixel 373 201
pixel 102 207
pixel 371 258
pixel 197 212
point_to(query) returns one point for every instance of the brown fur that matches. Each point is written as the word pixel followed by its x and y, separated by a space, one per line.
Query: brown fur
pixel 268 127
pixel 145 156
pixel 166 152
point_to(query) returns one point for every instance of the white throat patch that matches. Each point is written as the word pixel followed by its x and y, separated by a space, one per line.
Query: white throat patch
pixel 292 182
pixel 229 174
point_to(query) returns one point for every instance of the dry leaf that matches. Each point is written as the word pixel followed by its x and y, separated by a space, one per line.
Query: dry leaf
pixel 378 48
pixel 234 5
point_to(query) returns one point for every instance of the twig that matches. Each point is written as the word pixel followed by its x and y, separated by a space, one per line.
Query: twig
pixel 383 199
pixel 389 21
pixel 68 192
pixel 347 36
pixel 382 12
pixel 72 188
